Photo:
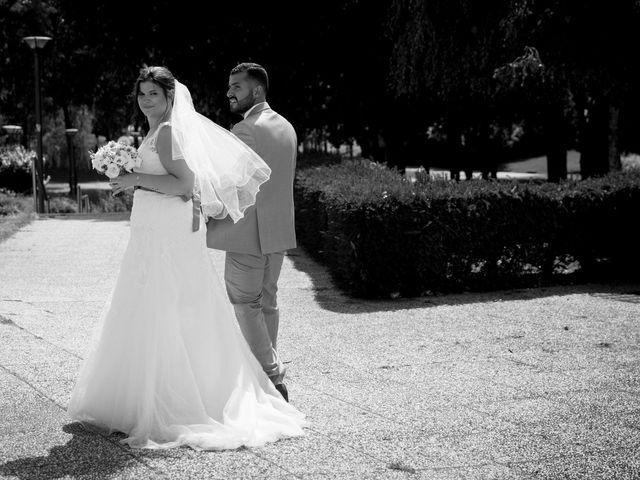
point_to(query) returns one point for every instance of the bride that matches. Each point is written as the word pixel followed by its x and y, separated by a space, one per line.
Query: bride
pixel 171 366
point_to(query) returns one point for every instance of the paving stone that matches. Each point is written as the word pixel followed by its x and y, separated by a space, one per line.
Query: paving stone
pixel 609 376
pixel 631 420
pixel 388 473
pixel 527 379
pixel 318 454
pixel 411 448
pixel 507 445
pixel 328 414
pixel 185 463
pixel 620 465
pixel 27 413
pixel 483 472
pixel 526 411
pixel 67 325
pixel 601 401
pixel 88 471
pixel 592 435
pixel 48 369
pixel 19 402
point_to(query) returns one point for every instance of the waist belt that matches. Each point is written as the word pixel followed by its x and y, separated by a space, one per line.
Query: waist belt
pixel 195 210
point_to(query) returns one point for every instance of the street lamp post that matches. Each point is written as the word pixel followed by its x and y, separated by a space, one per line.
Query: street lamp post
pixel 36 43
pixel 73 173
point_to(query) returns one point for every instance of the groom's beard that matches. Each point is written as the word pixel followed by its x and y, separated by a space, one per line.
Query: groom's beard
pixel 241 106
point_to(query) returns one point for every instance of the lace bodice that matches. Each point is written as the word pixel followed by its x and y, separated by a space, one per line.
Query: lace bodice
pixel 148 153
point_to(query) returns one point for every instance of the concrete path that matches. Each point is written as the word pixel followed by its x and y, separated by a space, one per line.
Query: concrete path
pixel 526 384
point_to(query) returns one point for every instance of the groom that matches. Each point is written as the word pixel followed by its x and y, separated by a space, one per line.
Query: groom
pixel 255 245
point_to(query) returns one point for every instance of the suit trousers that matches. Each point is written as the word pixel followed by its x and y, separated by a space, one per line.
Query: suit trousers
pixel 252 286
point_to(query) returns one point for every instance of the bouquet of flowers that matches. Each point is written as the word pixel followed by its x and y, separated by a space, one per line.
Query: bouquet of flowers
pixel 114 158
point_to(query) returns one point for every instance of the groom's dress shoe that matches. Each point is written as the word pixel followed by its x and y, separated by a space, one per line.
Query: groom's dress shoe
pixel 281 387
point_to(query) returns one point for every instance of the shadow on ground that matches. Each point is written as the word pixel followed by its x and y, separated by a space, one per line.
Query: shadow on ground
pixel 330 297
pixel 86 454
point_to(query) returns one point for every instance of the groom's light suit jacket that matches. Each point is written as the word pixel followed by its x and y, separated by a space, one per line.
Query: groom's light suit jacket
pixel 269 225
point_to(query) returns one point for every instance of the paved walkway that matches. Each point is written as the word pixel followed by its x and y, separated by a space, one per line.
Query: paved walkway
pixel 540 383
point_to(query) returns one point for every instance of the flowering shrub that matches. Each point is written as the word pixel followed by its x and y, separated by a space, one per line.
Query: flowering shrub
pixel 16 158
pixel 15 168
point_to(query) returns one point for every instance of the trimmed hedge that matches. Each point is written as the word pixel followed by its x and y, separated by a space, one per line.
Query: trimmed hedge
pixel 381 235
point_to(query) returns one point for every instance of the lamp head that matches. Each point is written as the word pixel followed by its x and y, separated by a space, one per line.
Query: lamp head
pixel 36 42
pixel 12 128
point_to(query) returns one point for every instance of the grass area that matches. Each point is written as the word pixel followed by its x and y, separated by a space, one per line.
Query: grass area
pixel 16 211
pixel 100 201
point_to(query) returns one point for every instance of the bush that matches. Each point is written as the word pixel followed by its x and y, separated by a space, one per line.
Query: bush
pixel 100 201
pixel 316 159
pixel 12 203
pixel 15 212
pixel 338 213
pixel 103 201
pixel 62 204
pixel 16 209
pixel 15 168
pixel 381 235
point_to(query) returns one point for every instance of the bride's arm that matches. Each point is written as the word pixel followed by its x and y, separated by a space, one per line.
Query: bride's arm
pixel 179 181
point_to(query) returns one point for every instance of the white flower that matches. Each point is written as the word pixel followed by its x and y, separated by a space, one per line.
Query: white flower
pixel 113 170
pixel 113 158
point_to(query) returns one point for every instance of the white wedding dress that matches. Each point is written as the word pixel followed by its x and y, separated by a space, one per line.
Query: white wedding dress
pixel 171 366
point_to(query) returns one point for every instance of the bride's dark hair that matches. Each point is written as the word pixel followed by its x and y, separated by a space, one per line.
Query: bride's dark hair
pixel 162 77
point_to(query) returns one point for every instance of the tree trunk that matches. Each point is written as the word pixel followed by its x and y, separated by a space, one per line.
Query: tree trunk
pixel 556 144
pixel 615 163
pixel 454 150
pixel 594 151
pixel 556 163
pixel 67 124
pixel 383 149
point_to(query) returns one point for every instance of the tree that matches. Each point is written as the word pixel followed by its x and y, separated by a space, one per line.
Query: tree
pixel 16 88
pixel 443 59
pixel 445 54
pixel 586 50
pixel 538 97
pixel 328 69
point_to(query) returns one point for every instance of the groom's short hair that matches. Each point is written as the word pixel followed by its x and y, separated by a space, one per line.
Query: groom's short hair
pixel 255 71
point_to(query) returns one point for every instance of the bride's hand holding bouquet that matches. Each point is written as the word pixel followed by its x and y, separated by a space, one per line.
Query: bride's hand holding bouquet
pixel 117 161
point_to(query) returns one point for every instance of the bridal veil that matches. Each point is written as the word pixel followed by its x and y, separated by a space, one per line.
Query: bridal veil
pixel 228 173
